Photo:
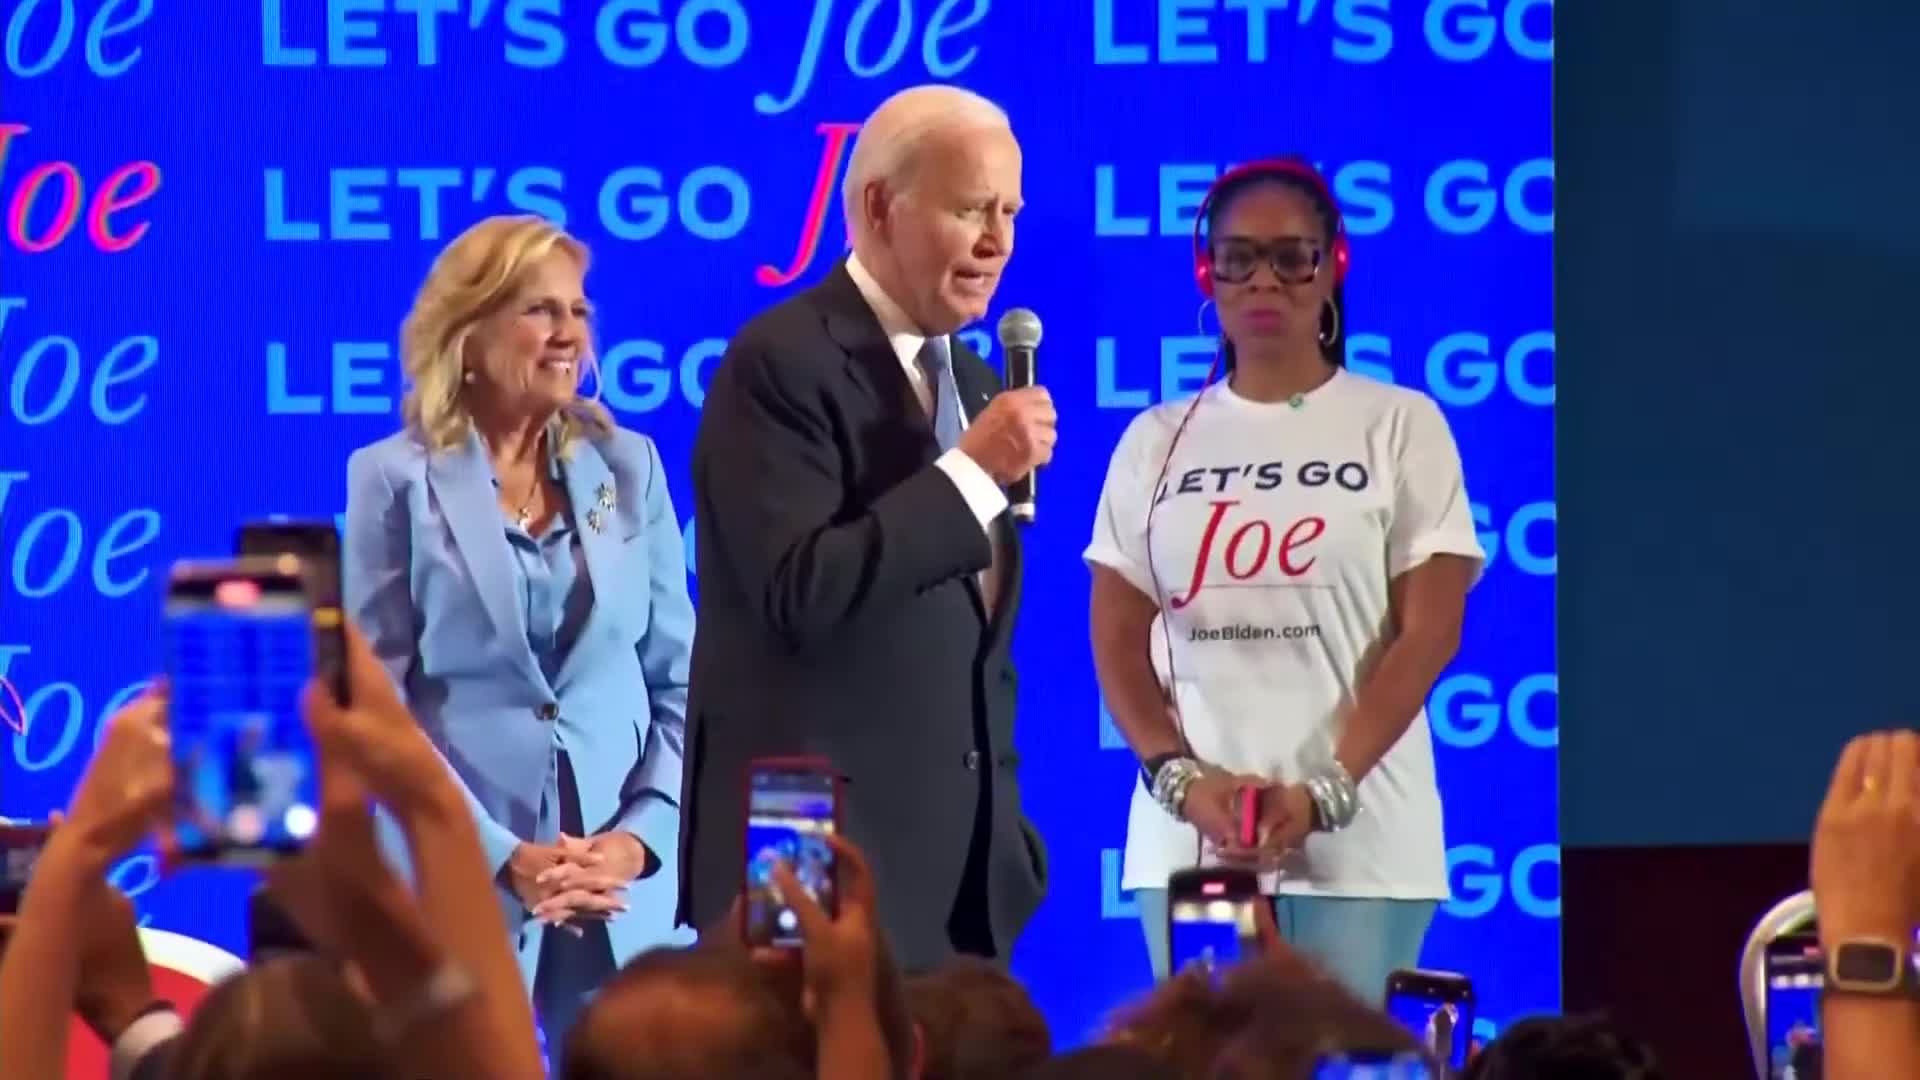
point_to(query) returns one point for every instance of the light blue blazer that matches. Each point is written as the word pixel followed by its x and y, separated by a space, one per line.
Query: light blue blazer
pixel 428 575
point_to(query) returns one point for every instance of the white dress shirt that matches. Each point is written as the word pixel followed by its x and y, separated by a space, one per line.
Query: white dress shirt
pixel 983 496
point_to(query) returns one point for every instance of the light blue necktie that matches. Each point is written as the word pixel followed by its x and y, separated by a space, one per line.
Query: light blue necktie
pixel 937 361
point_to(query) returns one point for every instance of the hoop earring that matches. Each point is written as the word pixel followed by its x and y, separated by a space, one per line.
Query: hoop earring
pixel 1200 319
pixel 1328 337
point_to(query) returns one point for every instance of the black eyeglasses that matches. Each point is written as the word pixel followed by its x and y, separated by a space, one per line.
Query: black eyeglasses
pixel 1294 260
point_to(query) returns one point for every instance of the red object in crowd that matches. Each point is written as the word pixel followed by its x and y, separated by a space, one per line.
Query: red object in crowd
pixel 184 970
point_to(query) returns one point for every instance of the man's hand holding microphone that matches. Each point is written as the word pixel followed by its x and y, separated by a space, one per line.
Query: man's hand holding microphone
pixel 1015 433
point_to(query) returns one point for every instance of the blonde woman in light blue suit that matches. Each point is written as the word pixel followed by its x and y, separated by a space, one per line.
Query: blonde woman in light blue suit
pixel 515 559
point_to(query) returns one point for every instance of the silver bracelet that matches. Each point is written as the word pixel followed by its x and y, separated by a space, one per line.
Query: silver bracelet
pixel 1170 785
pixel 1335 796
pixel 444 990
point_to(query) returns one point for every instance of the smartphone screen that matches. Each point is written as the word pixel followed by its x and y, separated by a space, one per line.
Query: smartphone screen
pixel 239 653
pixel 1376 1065
pixel 20 845
pixel 1437 1006
pixel 790 811
pixel 1794 972
pixel 317 545
pixel 1211 918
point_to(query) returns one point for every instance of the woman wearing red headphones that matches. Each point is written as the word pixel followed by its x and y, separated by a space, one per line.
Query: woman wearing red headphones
pixel 1280 567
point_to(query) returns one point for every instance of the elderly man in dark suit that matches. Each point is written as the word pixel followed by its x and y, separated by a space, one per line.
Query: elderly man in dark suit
pixel 858 573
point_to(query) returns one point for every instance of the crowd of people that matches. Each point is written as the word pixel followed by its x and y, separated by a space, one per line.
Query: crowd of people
pixel 422 982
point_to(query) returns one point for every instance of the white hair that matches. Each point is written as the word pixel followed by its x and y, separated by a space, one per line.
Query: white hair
pixel 890 139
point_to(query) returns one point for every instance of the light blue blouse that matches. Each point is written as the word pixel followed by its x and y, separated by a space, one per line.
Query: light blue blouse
pixel 553 587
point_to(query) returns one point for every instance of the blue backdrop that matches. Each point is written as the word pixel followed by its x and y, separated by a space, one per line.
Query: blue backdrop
pixel 216 215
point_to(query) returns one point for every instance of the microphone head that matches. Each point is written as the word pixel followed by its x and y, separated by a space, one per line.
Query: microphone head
pixel 1020 329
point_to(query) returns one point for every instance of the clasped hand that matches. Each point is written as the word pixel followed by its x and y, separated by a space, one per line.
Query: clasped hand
pixel 578 878
pixel 1286 817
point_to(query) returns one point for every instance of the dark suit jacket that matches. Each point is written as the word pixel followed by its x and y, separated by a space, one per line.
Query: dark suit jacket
pixel 840 616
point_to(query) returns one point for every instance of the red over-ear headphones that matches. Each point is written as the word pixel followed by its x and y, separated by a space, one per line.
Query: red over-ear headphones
pixel 1203 258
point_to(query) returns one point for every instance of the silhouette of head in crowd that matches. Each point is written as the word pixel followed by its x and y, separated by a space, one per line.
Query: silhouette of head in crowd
pixel 1268 1018
pixel 1564 1048
pixel 715 1012
pixel 292 1018
pixel 976 1021
pixel 681 1014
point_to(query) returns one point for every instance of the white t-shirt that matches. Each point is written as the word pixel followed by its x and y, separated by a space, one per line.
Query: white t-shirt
pixel 1277 530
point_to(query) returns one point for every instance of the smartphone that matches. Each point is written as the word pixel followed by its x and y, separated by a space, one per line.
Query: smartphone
pixel 1246 803
pixel 1437 1006
pixel 1374 1065
pixel 20 845
pixel 793 804
pixel 317 545
pixel 239 640
pixel 1794 973
pixel 1211 917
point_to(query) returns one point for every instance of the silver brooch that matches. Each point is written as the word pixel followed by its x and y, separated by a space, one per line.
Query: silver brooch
pixel 605 494
pixel 595 521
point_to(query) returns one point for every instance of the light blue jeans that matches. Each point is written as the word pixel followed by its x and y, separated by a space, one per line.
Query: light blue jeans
pixel 1358 940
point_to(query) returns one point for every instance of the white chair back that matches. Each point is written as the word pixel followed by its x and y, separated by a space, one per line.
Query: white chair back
pixel 1790 916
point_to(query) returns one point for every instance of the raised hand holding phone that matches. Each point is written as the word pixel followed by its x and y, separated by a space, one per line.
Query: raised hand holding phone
pixel 1438 1008
pixel 793 811
pixel 840 948
pixel 1213 917
pixel 239 638
pixel 124 793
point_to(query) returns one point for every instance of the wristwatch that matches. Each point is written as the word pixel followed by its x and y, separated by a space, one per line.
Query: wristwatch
pixel 1873 967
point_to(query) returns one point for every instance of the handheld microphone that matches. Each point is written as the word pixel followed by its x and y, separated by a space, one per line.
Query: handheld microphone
pixel 1020 340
